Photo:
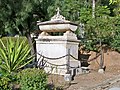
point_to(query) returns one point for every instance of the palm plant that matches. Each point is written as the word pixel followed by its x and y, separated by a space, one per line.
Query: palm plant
pixel 14 55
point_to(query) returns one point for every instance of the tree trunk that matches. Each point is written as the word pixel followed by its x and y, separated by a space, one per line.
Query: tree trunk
pixel 31 45
pixel 93 8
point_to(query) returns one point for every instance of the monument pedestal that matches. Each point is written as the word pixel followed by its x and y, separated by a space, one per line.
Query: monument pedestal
pixel 53 50
pixel 56 47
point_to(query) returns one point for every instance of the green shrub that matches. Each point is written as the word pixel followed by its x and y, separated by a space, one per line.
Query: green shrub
pixel 5 83
pixel 8 81
pixel 32 79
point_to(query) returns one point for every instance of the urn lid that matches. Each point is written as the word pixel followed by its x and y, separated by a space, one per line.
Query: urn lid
pixel 57 24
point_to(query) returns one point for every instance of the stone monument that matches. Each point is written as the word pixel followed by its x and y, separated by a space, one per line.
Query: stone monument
pixel 57 46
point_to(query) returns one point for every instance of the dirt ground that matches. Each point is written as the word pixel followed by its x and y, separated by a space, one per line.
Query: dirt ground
pixel 93 80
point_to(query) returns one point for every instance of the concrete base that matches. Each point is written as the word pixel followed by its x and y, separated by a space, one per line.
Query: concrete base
pixel 101 71
pixel 85 70
pixel 68 77
pixel 63 71
pixel 55 70
pixel 79 71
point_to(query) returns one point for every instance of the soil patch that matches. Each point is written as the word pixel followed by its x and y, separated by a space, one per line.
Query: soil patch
pixel 93 79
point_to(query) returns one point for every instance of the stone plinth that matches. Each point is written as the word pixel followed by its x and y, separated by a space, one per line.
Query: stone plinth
pixel 57 46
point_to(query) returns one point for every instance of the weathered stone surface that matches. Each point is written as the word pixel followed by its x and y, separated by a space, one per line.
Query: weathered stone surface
pixel 57 46
pixel 58 27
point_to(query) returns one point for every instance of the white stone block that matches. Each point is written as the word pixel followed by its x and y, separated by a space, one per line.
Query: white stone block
pixel 55 47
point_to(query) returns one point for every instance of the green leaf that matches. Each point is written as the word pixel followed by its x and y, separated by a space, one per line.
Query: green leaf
pixel 16 56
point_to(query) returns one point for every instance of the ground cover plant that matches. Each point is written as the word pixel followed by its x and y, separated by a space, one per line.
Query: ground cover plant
pixel 32 79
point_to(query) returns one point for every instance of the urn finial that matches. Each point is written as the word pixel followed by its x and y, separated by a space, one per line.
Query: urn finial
pixel 58 16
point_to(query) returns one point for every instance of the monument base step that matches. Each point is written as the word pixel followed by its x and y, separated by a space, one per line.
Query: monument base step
pixel 63 71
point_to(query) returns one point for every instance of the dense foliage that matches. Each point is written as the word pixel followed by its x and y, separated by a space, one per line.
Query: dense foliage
pixel 19 17
pixel 104 27
pixel 32 79
pixel 27 79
